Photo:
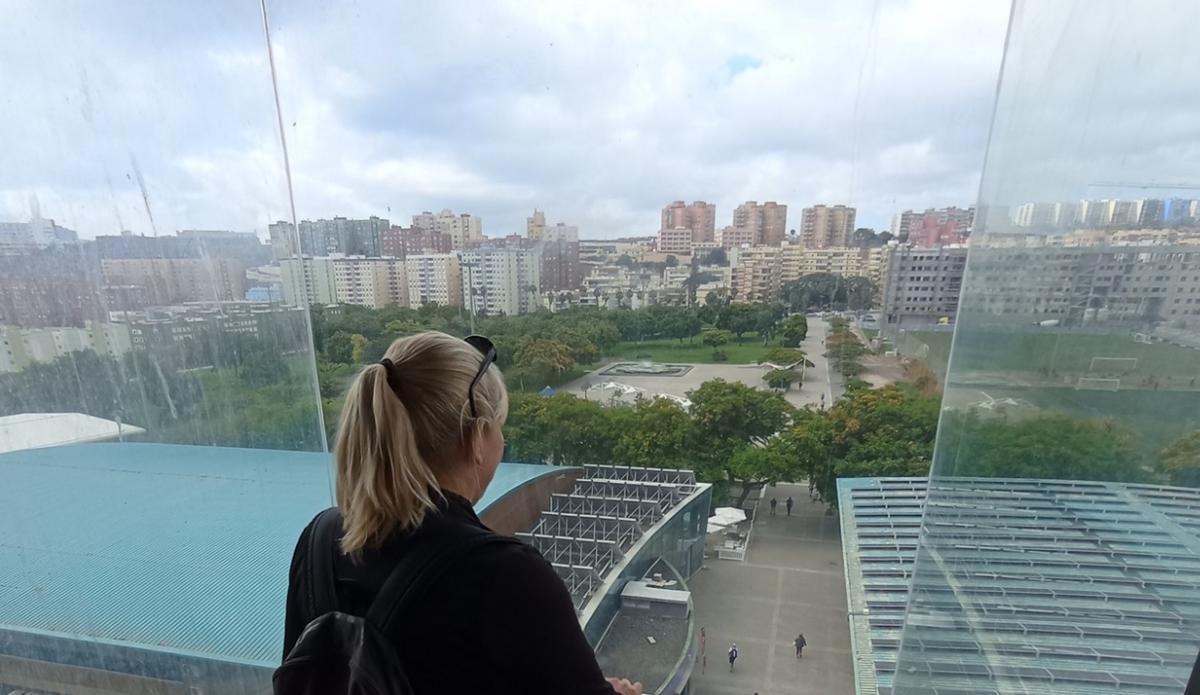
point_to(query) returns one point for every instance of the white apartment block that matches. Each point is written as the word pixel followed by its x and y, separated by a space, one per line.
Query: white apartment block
pixel 21 347
pixel 361 280
pixel 434 278
pixel 501 280
pixel 370 282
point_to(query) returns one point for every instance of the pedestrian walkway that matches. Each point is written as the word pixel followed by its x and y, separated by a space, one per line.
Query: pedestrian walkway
pixel 792 582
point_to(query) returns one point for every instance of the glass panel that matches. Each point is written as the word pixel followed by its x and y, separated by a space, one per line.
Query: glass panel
pixel 1060 548
pixel 160 439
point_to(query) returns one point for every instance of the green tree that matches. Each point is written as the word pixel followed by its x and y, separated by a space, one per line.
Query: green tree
pixel 660 434
pixel 671 261
pixel 869 432
pixel 338 348
pixel 766 320
pixel 785 356
pixel 1050 446
pixel 358 343
pixel 562 430
pixel 1180 462
pixel 539 361
pixel 715 338
pixel 781 379
pixel 793 330
pixel 812 291
pixel 856 293
pixel 729 416
pixel 738 319
pixel 753 466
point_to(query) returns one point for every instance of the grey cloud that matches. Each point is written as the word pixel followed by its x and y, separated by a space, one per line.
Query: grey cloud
pixel 600 114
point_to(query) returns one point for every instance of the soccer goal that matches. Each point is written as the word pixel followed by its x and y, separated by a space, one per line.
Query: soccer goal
pixel 1094 383
pixel 1113 365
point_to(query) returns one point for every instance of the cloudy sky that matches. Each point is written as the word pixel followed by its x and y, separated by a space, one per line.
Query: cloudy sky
pixel 159 116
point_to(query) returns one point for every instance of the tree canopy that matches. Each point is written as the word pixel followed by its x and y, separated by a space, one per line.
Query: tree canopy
pixel 828 291
pixel 1180 462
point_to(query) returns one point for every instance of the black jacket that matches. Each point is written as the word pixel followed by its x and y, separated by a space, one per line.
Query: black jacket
pixel 501 621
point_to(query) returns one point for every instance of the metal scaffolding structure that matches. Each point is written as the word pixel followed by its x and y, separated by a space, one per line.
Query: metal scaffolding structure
pixel 644 511
pixel 647 475
pixel 586 533
pixel 599 554
pixel 581 581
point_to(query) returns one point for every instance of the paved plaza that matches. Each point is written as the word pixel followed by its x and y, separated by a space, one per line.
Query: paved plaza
pixel 816 378
pixel 792 581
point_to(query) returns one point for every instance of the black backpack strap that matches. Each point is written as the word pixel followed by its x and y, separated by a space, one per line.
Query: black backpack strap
pixel 322 542
pixel 435 551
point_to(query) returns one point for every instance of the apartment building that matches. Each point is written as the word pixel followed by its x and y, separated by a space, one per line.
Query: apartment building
pixel 922 286
pixel 176 280
pixel 399 242
pixel 677 240
pixel 733 237
pixel 764 224
pixel 760 272
pixel 823 226
pixel 561 269
pixel 22 347
pixel 464 230
pixel 434 278
pixel 1139 284
pixel 700 217
pixel 371 282
pixel 501 280
pixel 933 226
pixel 756 275
pixel 535 225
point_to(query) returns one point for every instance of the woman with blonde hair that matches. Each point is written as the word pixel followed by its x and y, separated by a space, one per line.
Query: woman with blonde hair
pixel 418 442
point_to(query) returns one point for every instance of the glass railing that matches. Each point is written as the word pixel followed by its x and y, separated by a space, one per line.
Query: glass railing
pixel 1059 546
pixel 161 441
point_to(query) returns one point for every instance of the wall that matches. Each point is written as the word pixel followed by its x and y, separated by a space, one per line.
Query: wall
pixel 519 509
pixel 677 538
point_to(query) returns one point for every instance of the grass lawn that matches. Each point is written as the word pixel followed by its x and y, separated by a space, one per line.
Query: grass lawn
pixel 870 332
pixel 667 351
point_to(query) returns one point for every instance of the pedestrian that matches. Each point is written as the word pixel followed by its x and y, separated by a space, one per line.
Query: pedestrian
pixel 790 503
pixel 733 654
pixel 773 503
pixel 703 639
pixel 800 643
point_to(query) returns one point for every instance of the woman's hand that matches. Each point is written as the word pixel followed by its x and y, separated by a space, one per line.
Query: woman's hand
pixel 622 686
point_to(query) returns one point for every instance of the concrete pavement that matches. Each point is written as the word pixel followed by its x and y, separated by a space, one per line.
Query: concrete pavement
pixel 792 582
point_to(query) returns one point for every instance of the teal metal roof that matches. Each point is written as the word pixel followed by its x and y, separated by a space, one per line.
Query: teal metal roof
pixel 1023 585
pixel 178 548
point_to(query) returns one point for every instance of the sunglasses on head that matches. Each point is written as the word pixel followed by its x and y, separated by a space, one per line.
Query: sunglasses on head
pixel 488 350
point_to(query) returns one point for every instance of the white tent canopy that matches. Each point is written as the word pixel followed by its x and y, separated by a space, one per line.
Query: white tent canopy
pixel 725 517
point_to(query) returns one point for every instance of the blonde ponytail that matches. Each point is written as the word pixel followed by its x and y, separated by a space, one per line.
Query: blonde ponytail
pixel 393 438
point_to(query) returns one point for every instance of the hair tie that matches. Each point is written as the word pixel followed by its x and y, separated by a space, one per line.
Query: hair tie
pixel 392 382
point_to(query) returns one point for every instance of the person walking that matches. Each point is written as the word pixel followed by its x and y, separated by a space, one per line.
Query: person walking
pixel 773 503
pixel 790 503
pixel 733 655
pixel 800 643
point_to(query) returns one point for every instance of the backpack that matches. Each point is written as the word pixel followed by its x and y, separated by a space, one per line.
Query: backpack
pixel 343 654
